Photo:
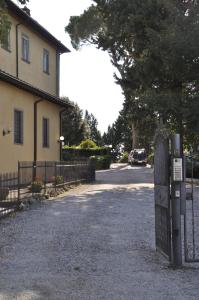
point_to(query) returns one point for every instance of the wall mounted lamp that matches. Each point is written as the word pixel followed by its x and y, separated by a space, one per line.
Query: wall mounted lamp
pixel 61 140
pixel 6 131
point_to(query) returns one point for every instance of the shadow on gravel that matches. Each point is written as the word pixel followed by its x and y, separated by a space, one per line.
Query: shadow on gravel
pixel 127 175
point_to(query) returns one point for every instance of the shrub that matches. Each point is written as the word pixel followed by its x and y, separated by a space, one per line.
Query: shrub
pixel 57 180
pixel 101 162
pixel 150 159
pixel 124 158
pixel 87 144
pixel 70 153
pixel 36 186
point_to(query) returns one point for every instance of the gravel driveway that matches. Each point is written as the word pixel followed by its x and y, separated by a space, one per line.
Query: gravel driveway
pixel 96 243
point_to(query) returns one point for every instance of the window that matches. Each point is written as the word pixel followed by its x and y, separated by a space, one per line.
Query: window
pixel 5 44
pixel 18 127
pixel 45 132
pixel 25 48
pixel 46 61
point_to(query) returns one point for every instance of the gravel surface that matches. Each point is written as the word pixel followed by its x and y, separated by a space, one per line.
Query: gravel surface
pixel 96 243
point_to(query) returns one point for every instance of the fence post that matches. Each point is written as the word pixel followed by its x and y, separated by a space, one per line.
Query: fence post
pixel 55 172
pixel 18 183
pixel 45 177
pixel 91 170
pixel 176 179
pixel 34 171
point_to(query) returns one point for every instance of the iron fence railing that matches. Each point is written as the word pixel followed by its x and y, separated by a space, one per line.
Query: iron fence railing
pixel 41 177
pixel 8 192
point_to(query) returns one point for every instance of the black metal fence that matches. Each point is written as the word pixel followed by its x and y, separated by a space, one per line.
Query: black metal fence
pixel 41 177
pixel 8 192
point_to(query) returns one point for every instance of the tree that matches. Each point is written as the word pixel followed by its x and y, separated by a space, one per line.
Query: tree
pixel 92 122
pixel 154 46
pixel 74 128
pixel 4 20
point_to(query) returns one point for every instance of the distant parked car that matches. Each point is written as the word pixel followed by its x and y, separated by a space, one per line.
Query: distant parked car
pixel 137 156
pixel 192 165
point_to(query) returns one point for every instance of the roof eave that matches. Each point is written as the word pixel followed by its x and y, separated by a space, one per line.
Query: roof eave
pixel 11 6
pixel 29 88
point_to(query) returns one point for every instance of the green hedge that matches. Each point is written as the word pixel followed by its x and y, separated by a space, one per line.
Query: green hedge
pixel 70 153
pixel 102 162
pixel 124 158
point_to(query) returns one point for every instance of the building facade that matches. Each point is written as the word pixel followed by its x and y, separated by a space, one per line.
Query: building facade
pixel 30 107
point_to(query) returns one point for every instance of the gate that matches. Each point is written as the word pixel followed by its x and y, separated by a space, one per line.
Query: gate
pixel 162 195
pixel 176 200
pixel 191 216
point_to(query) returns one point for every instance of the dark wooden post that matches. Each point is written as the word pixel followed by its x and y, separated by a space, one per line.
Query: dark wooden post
pixel 177 178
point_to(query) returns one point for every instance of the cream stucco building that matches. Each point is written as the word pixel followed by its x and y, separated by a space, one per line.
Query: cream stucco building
pixel 30 107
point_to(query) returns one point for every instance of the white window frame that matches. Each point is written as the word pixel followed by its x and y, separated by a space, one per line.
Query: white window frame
pixel 25 48
pixel 46 59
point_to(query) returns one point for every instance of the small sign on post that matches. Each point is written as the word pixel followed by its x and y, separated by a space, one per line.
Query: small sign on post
pixel 177 170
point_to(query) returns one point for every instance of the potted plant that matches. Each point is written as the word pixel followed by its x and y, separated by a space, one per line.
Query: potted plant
pixel 36 186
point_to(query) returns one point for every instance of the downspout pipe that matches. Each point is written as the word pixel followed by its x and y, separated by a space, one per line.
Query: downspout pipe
pixel 35 127
pixel 17 49
pixel 60 131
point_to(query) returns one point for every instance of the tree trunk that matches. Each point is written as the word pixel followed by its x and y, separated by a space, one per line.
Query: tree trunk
pixel 134 137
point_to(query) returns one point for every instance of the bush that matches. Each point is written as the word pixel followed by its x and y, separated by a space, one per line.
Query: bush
pixel 124 158
pixel 87 144
pixel 72 153
pixel 58 180
pixel 36 186
pixel 150 159
pixel 101 162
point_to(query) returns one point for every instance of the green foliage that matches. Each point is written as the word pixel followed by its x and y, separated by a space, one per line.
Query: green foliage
pixel 58 180
pixel 87 144
pixel 124 158
pixel 94 133
pixel 74 129
pixel 101 162
pixel 36 186
pixel 77 127
pixel 154 46
pixel 150 159
pixel 84 28
pixel 4 22
pixel 4 19
pixel 70 153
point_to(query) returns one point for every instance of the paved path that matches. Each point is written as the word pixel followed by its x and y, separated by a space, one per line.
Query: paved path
pixel 97 243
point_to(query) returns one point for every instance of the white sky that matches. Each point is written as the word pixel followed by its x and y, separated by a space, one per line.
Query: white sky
pixel 86 75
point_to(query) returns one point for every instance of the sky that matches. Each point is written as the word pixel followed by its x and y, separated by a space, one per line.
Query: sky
pixel 86 75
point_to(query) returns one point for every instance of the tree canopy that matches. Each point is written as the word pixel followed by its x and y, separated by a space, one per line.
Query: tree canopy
pixel 92 122
pixel 154 46
pixel 78 126
pixel 4 20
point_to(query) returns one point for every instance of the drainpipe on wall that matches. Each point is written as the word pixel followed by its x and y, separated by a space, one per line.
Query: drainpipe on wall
pixel 35 128
pixel 17 50
pixel 60 131
pixel 57 73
